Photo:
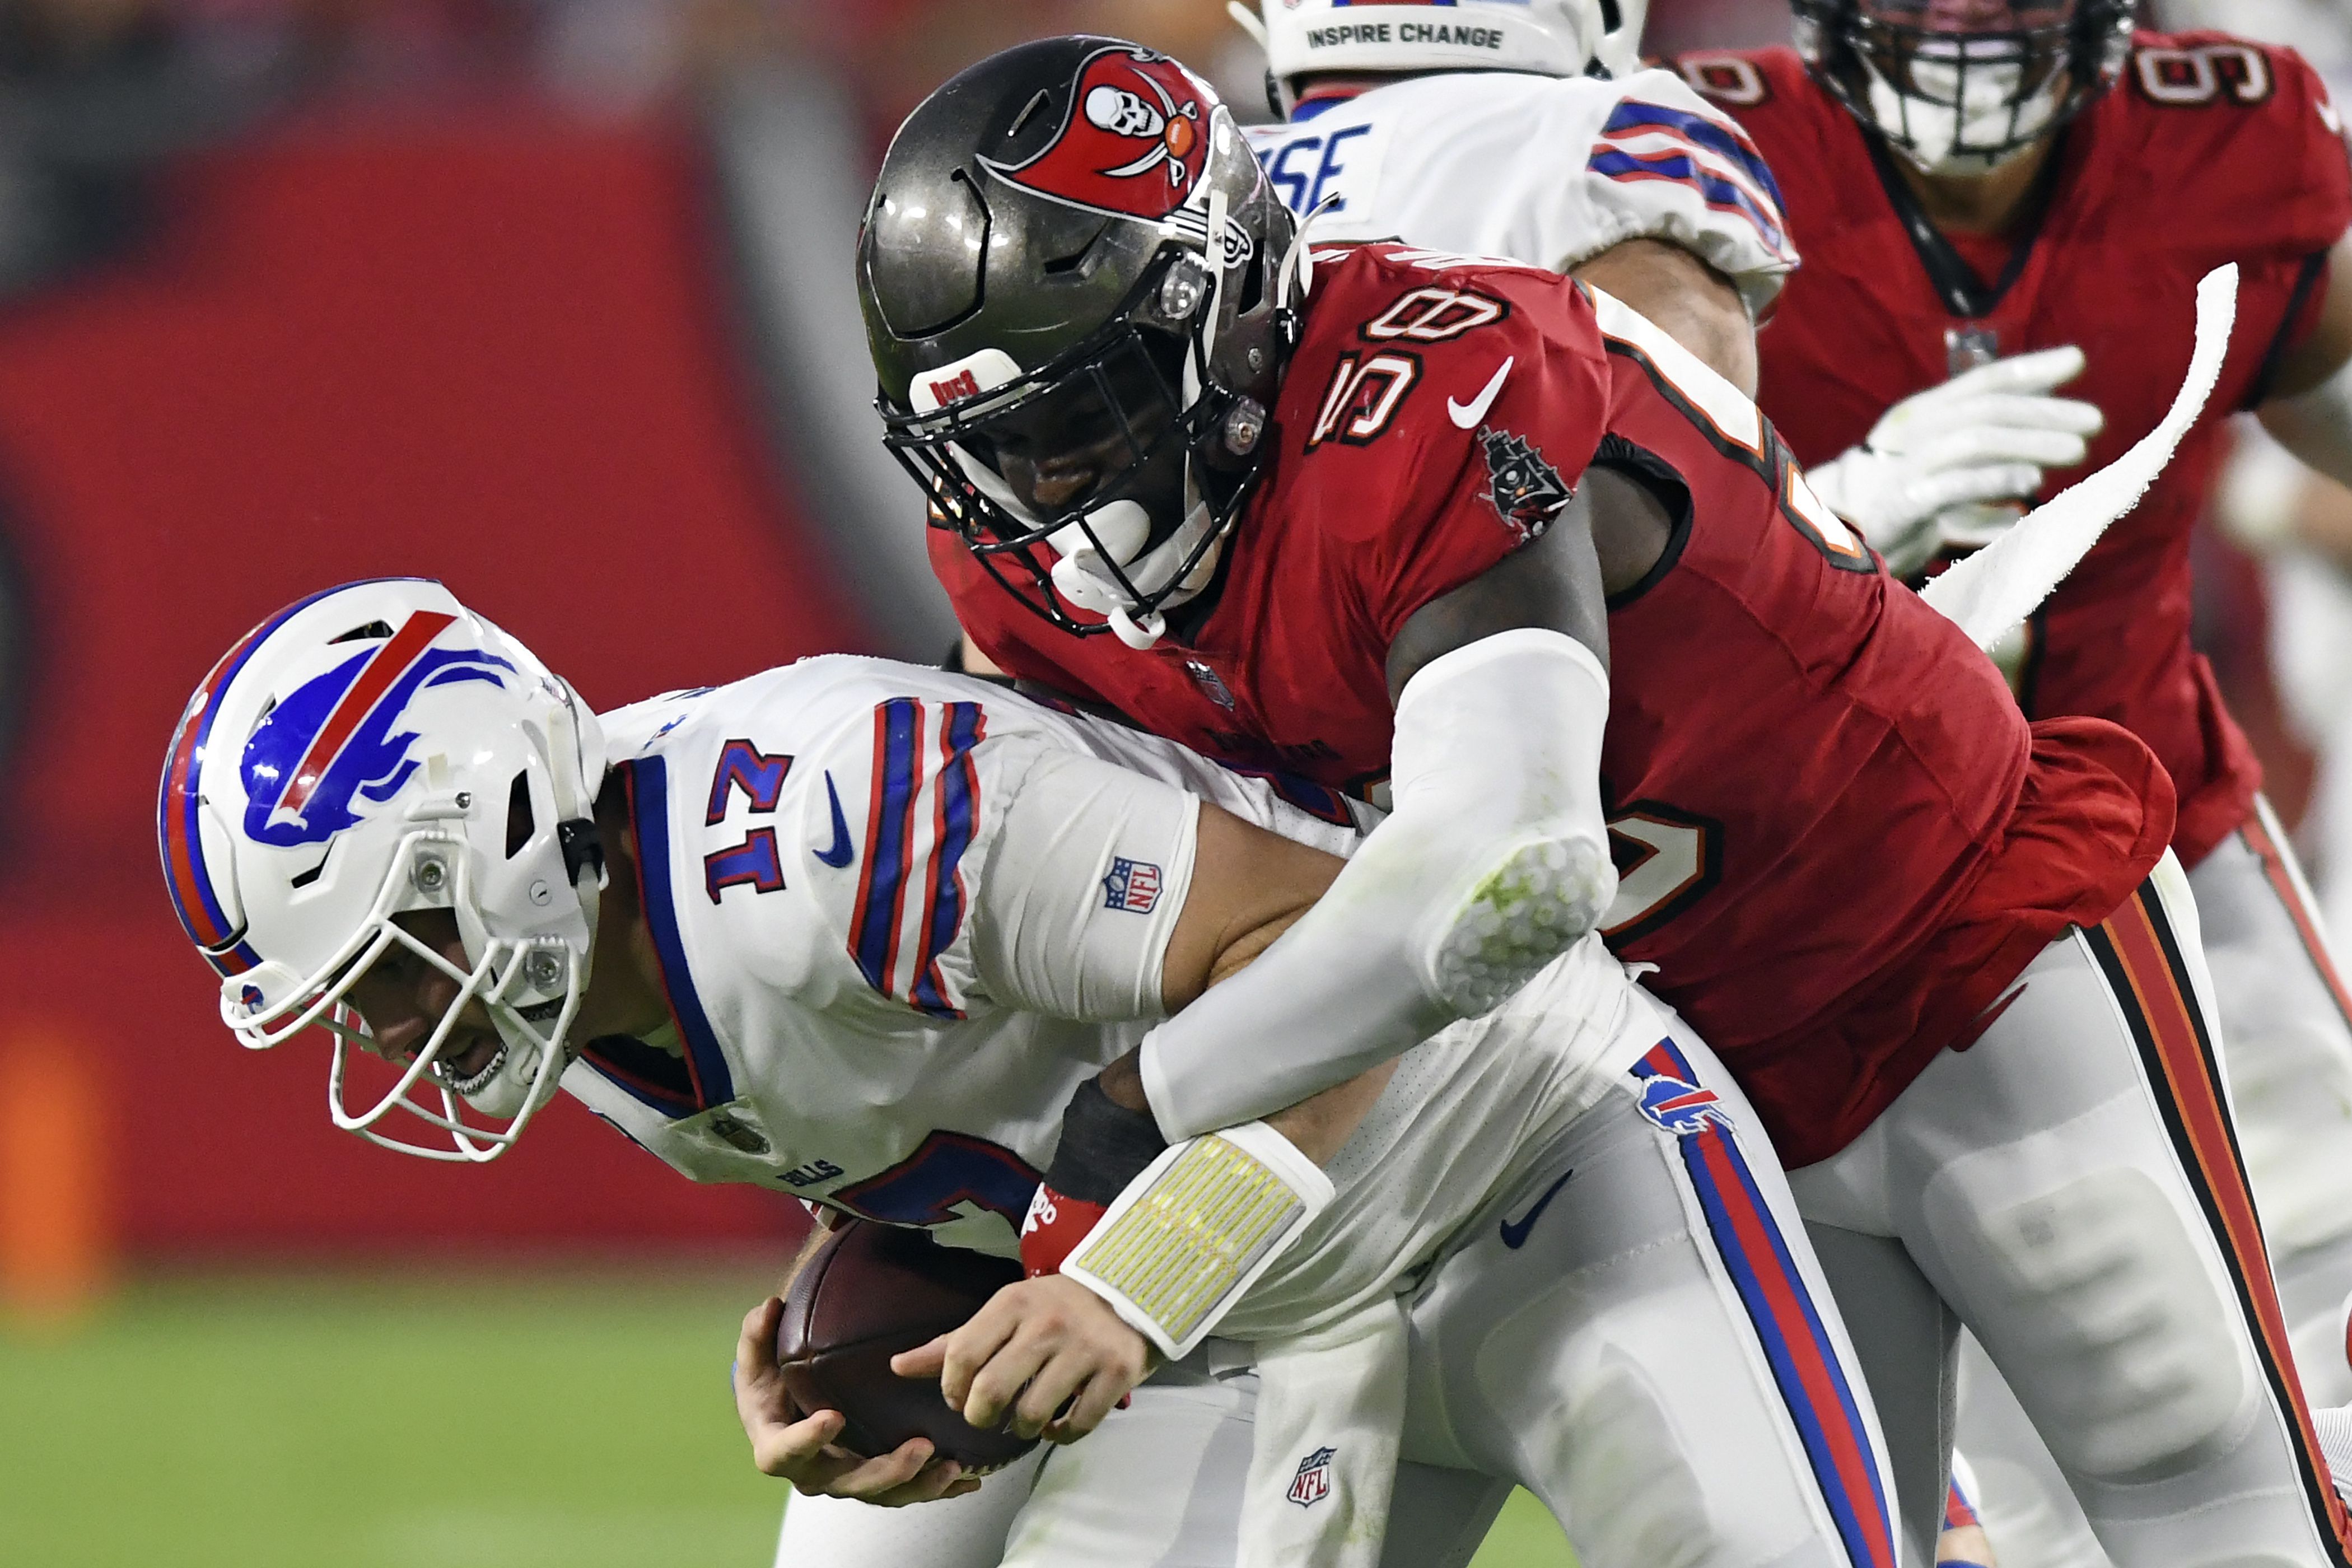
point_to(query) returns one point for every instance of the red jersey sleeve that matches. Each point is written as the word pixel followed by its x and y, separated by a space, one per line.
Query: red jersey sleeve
pixel 1497 386
pixel 2272 138
pixel 2252 127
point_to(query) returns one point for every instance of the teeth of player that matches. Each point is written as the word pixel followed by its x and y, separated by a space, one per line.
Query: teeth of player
pixel 478 1081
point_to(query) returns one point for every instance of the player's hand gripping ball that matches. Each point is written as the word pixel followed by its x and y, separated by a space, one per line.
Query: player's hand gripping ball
pixel 868 1292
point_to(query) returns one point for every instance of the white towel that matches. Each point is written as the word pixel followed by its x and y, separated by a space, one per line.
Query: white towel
pixel 1991 592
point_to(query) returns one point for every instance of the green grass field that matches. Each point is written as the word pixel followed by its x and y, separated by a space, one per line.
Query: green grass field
pixel 564 1420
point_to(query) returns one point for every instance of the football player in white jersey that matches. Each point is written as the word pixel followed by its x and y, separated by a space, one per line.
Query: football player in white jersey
pixel 1472 127
pixel 861 933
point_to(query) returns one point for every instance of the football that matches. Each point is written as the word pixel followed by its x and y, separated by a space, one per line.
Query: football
pixel 868 1292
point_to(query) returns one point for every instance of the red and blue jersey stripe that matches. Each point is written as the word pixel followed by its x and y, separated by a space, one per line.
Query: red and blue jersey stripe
pixel 1959 1513
pixel 1804 1361
pixel 920 819
pixel 646 781
pixel 1714 159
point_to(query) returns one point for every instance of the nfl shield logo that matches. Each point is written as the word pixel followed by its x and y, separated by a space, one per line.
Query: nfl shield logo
pixel 1312 1484
pixel 1132 885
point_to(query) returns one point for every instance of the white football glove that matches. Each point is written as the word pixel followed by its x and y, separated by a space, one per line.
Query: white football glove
pixel 1924 475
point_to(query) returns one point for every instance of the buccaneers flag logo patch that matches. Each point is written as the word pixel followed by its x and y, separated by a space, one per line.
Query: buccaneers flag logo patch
pixel 1526 492
pixel 1132 143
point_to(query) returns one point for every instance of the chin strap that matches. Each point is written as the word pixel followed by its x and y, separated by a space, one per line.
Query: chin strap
pixel 1082 576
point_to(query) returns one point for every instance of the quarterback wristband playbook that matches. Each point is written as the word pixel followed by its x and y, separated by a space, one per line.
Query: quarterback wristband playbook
pixel 1194 1231
pixel 1494 862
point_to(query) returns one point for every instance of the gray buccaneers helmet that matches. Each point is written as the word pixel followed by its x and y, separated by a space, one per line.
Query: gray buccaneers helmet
pixel 1070 276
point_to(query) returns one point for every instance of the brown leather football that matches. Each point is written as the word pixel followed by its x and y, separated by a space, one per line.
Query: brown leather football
pixel 866 1293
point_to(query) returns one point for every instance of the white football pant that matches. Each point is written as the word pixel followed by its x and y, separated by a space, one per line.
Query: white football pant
pixel 2068 1188
pixel 1641 1337
pixel 1636 1331
pixel 2286 1038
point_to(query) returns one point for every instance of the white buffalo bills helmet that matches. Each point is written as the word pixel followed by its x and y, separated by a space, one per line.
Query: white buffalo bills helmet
pixel 371 751
pixel 1551 38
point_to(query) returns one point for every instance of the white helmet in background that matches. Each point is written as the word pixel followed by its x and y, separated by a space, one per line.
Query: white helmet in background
pixel 1550 37
pixel 374 750
pixel 1620 49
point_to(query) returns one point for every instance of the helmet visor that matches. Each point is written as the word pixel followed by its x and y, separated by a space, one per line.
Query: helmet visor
pixel 1043 452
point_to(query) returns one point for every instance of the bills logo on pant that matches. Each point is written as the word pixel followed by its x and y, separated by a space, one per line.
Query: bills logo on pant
pixel 1133 140
pixel 1312 1484
pixel 1132 885
pixel 1680 1109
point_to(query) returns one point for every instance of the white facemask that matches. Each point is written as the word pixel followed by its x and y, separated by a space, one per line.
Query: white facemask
pixel 1934 131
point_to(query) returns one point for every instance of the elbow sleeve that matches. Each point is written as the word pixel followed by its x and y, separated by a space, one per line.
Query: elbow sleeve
pixel 1494 862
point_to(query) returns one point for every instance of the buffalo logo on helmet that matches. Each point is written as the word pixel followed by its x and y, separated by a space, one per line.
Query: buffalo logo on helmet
pixel 1133 142
pixel 335 742
pixel 1525 491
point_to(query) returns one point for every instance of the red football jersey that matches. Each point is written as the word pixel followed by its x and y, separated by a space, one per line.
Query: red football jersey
pixel 1810 773
pixel 2210 150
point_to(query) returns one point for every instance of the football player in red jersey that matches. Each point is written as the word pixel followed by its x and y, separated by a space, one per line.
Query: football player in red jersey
pixel 1367 512
pixel 1995 198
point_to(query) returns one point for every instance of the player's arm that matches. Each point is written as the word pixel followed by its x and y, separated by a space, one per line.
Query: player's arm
pixel 1671 211
pixel 2309 414
pixel 1052 1355
pixel 1495 860
pixel 1697 306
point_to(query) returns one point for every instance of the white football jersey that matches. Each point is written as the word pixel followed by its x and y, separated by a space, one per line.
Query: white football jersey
pixel 901 915
pixel 1550 170
pixel 875 997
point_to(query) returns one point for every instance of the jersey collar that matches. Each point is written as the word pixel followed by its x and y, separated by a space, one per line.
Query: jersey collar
pixel 646 781
pixel 1955 281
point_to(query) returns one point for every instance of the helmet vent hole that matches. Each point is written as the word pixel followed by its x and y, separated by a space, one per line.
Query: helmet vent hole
pixel 1044 97
pixel 1610 18
pixel 1252 291
pixel 518 817
pixel 373 630
pixel 1060 265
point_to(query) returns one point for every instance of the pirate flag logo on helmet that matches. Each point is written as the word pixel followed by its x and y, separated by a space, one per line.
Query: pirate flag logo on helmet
pixel 1132 143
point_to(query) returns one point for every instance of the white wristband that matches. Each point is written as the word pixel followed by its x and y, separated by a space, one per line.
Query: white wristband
pixel 1197 1229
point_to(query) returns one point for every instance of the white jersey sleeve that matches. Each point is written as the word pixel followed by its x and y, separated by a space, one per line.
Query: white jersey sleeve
pixel 1550 171
pixel 968 861
pixel 1092 868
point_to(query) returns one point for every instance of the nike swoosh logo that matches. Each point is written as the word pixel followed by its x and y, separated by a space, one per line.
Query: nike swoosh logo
pixel 837 854
pixel 1467 415
pixel 1516 1235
